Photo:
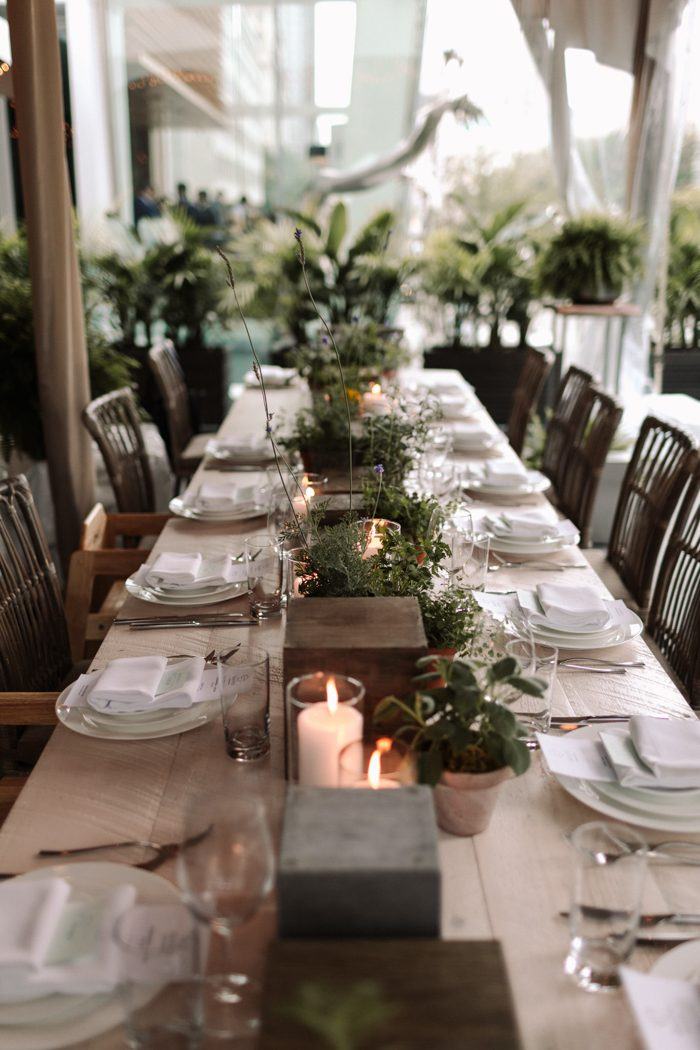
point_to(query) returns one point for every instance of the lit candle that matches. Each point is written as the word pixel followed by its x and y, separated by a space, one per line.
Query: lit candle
pixel 323 730
pixel 374 402
pixel 374 542
pixel 374 778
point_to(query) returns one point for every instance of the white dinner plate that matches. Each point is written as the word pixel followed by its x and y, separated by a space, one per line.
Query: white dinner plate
pixel 680 964
pixel 600 640
pixel 159 597
pixel 261 456
pixel 56 1021
pixel 503 545
pixel 177 506
pixel 585 791
pixel 660 802
pixel 141 725
pixel 482 444
pixel 535 483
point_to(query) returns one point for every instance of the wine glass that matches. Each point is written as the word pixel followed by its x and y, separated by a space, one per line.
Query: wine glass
pixel 224 874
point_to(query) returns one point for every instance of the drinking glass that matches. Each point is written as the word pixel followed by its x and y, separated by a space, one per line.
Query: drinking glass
pixel 537 661
pixel 224 876
pixel 438 446
pixel 610 864
pixel 467 565
pixel 459 537
pixel 294 570
pixel 244 691
pixel 161 952
pixel 264 563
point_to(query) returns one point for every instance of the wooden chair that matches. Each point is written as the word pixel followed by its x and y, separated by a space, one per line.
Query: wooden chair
pixel 591 441
pixel 95 590
pixel 113 422
pixel 674 616
pixel 562 428
pixel 185 447
pixel 527 393
pixel 34 651
pixel 662 460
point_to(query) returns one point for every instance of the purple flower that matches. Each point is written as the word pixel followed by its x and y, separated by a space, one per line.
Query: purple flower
pixel 297 233
pixel 325 340
pixel 379 469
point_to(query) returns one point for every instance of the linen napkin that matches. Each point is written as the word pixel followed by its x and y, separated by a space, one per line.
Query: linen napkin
pixel 29 914
pixel 80 957
pixel 213 572
pixel 469 437
pixel 538 523
pixel 504 472
pixel 570 608
pixel 273 375
pixel 245 449
pixel 176 569
pixel 145 683
pixel 455 406
pixel 213 497
pixel 656 753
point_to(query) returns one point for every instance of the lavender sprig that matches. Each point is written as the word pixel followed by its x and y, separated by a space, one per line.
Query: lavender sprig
pixel 379 471
pixel 257 369
pixel 301 254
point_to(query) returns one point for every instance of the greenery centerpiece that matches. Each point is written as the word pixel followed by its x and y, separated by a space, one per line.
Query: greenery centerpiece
pixel 466 740
pixel 368 351
pixel 592 259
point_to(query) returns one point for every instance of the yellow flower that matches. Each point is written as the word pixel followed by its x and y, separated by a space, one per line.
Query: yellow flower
pixel 354 395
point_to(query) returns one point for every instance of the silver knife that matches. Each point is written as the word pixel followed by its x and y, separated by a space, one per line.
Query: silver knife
pixel 155 625
pixel 127 621
pixel 646 922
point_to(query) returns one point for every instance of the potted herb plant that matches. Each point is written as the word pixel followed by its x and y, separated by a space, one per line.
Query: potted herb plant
pixel 681 354
pixel 467 742
pixel 483 276
pixel 592 259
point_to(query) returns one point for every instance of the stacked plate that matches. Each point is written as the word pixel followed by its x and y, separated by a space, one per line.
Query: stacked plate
pixel 619 625
pixel 251 452
pixel 664 810
pixel 142 584
pixel 221 503
pixel 535 532
pixel 54 1021
pixel 532 482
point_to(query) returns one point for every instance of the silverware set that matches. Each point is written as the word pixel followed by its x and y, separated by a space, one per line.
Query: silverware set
pixel 153 623
pixel 163 851
pixel 596 665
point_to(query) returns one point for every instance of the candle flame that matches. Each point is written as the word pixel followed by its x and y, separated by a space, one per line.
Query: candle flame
pixel 374 769
pixel 384 744
pixel 309 492
pixel 331 695
pixel 376 388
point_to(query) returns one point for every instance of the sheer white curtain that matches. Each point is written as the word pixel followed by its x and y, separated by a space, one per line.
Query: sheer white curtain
pixel 649 39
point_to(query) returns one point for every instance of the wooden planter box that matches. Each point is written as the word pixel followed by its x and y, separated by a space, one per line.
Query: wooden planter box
pixel 377 640
pixel 493 372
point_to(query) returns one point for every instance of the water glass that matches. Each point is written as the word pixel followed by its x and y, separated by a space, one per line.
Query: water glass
pixel 265 564
pixel 161 957
pixel 609 868
pixel 537 661
pixel 294 571
pixel 468 563
pixel 244 691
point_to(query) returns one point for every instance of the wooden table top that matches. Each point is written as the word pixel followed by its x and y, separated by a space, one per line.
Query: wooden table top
pixel 507 883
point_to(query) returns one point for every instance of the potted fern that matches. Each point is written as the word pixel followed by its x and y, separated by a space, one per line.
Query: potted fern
pixel 467 741
pixel 592 259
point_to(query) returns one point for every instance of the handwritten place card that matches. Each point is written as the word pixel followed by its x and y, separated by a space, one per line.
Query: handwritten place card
pixel 237 679
pixel 165 943
pixel 571 756
pixel 667 1011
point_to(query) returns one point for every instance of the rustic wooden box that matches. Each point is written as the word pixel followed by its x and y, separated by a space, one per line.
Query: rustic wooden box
pixel 377 640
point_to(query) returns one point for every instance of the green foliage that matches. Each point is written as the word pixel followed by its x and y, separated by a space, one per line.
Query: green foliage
pixel 361 281
pixel 682 321
pixel 484 271
pixel 591 258
pixel 417 515
pixel 458 720
pixel 452 618
pixel 20 415
pixel 366 350
pixel 344 1018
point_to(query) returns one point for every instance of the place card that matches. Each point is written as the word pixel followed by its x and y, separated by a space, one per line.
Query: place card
pixel 574 756
pixel 667 1011
pixel 237 678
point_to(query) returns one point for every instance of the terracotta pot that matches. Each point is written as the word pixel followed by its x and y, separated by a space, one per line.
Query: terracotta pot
pixel 464 802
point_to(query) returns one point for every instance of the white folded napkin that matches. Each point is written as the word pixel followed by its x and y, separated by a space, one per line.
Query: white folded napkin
pixel 668 751
pixel 175 569
pixel 29 915
pixel 217 497
pixel 455 406
pixel 471 436
pixel 242 448
pixel 81 957
pixel 504 472
pixel 273 375
pixel 570 608
pixel 213 572
pixel 145 683
pixel 535 524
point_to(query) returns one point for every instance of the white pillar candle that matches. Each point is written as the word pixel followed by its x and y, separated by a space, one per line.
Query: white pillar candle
pixel 323 730
pixel 374 778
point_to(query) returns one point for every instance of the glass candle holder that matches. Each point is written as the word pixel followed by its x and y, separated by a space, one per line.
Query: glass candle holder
pixel 323 713
pixel 385 763
pixel 303 488
pixel 295 572
pixel 372 533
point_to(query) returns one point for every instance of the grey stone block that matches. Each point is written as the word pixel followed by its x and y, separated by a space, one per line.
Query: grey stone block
pixel 359 863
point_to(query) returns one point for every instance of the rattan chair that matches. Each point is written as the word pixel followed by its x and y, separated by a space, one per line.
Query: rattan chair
pixel 662 460
pixel 673 623
pixel 114 424
pixel 185 447
pixel 576 489
pixel 34 652
pixel 565 423
pixel 527 394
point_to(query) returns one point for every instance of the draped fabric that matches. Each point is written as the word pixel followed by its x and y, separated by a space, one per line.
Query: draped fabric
pixel 61 354
pixel 649 39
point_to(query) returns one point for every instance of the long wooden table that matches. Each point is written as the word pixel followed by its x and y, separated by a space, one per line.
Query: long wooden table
pixel 507 883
